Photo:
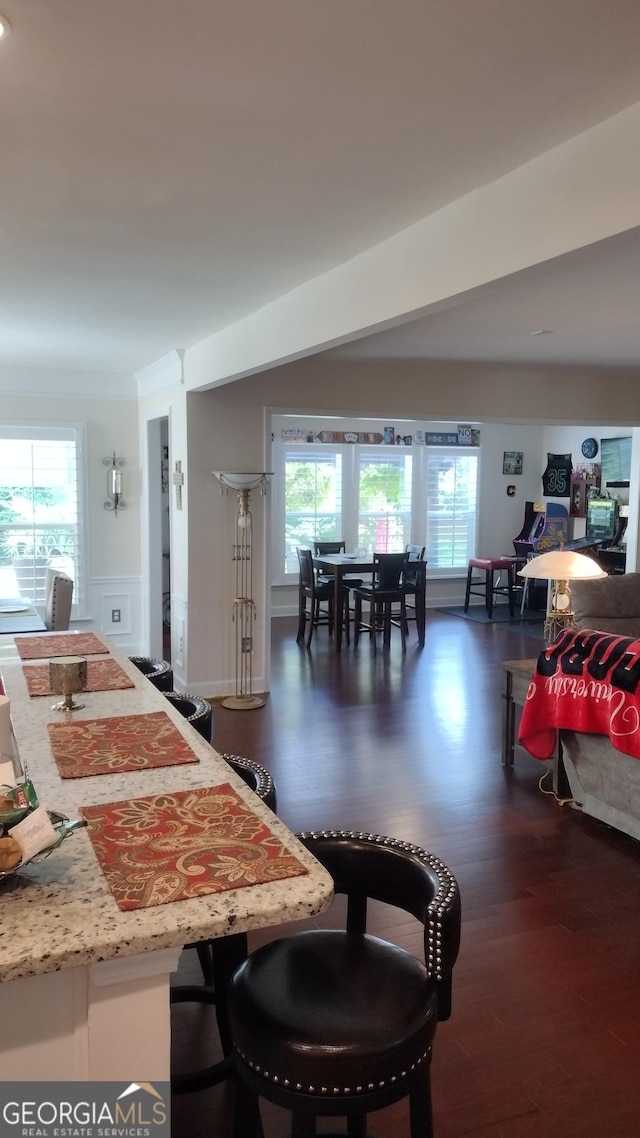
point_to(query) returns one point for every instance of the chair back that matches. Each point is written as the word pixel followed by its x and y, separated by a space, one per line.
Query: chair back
pixel 305 561
pixel 322 548
pixel 400 874
pixel 388 571
pixel 59 595
pixel 416 552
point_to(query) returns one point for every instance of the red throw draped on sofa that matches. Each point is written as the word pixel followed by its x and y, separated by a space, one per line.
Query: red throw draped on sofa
pixel 585 681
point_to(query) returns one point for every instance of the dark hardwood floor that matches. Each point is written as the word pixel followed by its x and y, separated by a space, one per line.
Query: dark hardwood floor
pixel 544 1039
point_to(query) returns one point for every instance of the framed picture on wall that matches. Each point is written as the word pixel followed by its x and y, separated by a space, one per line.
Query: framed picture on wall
pixel 512 462
pixel 578 497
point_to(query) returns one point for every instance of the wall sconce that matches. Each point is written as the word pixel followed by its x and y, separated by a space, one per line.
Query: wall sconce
pixel 115 500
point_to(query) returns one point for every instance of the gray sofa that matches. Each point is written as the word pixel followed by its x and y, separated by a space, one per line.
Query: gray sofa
pixel 610 604
pixel 604 782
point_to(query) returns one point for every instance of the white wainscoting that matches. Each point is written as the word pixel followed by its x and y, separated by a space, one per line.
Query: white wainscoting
pixel 124 596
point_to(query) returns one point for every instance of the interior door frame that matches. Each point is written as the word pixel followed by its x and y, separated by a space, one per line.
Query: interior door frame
pixel 153 529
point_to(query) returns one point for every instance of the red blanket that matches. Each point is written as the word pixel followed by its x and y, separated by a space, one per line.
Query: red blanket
pixel 585 681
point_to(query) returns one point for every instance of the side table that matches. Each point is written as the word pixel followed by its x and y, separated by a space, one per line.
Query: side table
pixel 518 675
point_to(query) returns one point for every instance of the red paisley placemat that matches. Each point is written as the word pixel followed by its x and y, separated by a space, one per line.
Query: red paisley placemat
pixel 59 644
pixel 169 847
pixel 121 743
pixel 102 675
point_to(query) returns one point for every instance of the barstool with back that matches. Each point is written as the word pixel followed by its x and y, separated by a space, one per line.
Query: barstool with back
pixel 333 1022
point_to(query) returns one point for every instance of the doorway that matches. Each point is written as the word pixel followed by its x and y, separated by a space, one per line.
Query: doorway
pixel 159 533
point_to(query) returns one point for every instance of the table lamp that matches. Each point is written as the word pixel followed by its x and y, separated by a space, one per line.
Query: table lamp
pixel 560 566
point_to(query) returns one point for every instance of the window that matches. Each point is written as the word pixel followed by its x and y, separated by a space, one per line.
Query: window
pixel 451 508
pixel 40 509
pixel 374 496
pixel 312 500
pixel 384 496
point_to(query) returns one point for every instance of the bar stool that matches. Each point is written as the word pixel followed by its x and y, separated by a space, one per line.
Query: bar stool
pixel 220 957
pixel 158 672
pixel 336 1022
pixel 489 588
pixel 195 710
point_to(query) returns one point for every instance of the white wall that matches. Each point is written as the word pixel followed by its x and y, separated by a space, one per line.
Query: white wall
pixel 228 429
pixel 113 543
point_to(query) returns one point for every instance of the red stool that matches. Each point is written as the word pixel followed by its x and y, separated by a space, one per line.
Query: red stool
pixel 490 587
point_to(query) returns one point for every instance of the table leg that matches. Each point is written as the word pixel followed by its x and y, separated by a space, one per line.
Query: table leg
pixel 421 614
pixel 560 780
pixel 508 723
pixel 337 608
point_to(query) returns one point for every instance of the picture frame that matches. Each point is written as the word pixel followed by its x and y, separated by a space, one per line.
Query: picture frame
pixel 512 461
pixel 578 497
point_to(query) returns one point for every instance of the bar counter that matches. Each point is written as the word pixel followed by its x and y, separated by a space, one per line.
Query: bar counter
pixel 84 985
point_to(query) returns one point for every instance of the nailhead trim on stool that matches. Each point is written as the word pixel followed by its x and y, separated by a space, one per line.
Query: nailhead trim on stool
pixel 158 672
pixel 307 1034
pixel 195 710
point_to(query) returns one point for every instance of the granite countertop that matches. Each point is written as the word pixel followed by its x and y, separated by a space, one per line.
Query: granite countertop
pixel 59 912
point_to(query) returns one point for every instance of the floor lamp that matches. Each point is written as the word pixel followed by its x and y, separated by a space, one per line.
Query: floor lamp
pixel 244 608
pixel 559 567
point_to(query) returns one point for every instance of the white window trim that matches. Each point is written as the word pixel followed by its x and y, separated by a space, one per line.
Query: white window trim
pixel 22 429
pixel 350 513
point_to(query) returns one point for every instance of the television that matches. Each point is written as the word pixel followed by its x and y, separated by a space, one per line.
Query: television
pixel 602 518
pixel 615 460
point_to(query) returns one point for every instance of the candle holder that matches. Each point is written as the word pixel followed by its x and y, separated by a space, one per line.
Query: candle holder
pixel 67 675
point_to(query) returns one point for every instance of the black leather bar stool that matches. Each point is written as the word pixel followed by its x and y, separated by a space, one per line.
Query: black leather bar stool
pixel 195 710
pixel 338 1022
pixel 219 957
pixel 159 672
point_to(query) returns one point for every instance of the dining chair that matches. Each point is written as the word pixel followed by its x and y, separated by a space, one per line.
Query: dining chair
pixel 336 1022
pixel 321 548
pixel 415 585
pixel 328 547
pixel 386 596
pixel 312 595
pixel 58 599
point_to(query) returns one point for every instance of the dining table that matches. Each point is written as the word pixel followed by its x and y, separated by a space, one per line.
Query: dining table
pixel 344 565
pixel 85 966
pixel 339 566
pixel 17 615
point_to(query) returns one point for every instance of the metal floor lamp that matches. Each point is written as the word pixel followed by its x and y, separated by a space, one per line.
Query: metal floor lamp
pixel 244 608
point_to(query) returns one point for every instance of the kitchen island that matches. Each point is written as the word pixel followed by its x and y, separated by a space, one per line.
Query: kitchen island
pixel 84 986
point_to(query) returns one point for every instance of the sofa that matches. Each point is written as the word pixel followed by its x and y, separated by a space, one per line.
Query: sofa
pixel 605 782
pixel 610 604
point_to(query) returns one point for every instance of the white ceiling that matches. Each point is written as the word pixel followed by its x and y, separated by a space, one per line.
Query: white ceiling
pixel 169 166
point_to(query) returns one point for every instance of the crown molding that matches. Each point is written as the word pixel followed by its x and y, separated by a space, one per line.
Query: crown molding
pixel 63 383
pixel 165 372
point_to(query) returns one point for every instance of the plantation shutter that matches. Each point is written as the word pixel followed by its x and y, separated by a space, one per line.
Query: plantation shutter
pixel 384 497
pixel 312 499
pixel 41 510
pixel 451 508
